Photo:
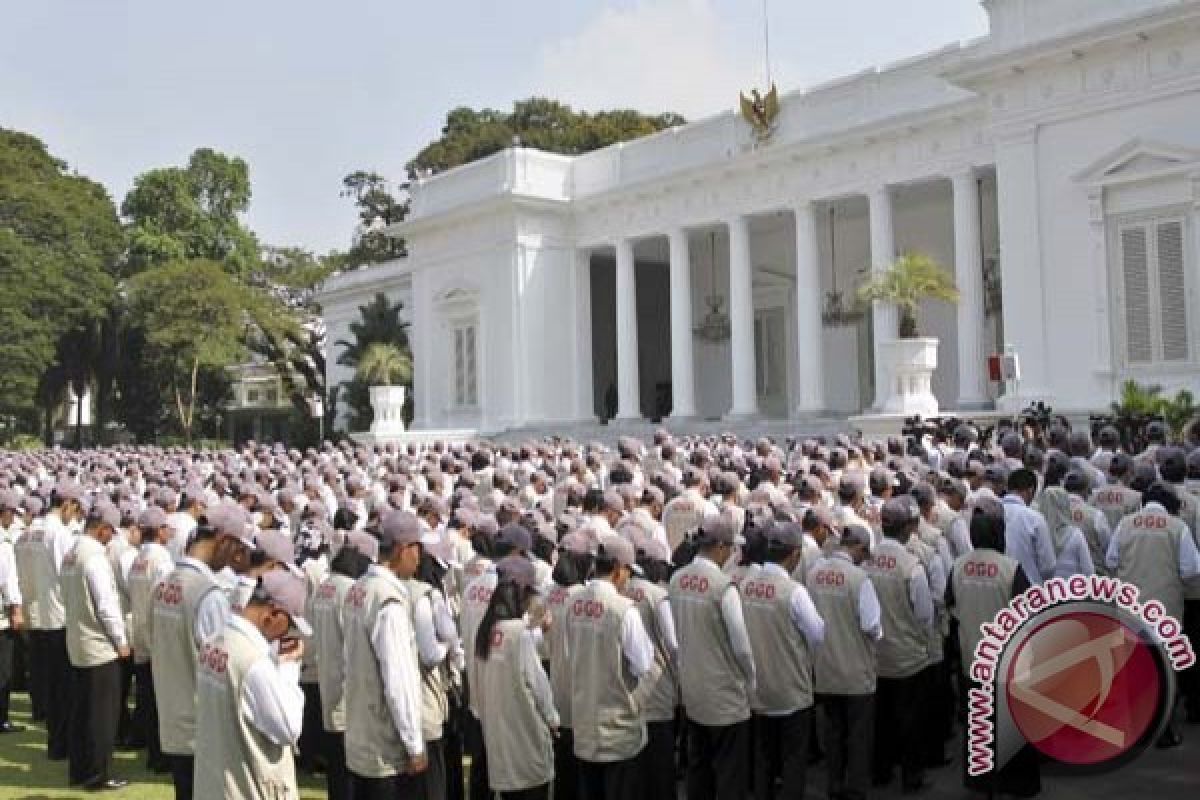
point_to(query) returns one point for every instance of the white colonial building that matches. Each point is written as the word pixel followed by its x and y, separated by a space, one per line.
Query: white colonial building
pixel 1053 166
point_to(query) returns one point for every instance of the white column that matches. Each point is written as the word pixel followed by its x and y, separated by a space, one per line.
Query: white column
pixel 741 319
pixel 683 382
pixel 968 275
pixel 809 351
pixel 883 253
pixel 581 284
pixel 628 391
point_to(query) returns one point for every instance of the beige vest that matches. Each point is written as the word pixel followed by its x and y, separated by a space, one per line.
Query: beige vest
pixel 558 650
pixel 88 644
pixel 845 662
pixel 658 692
pixel 1148 544
pixel 173 655
pixel 326 608
pixel 520 750
pixel 1117 502
pixel 925 550
pixel 982 582
pixel 1189 512
pixel 5 601
pixel 149 563
pixel 607 721
pixel 904 648
pixel 234 760
pixel 712 684
pixel 476 598
pixel 1084 517
pixel 435 706
pixel 785 680
pixel 47 592
pixel 373 746
pixel 25 551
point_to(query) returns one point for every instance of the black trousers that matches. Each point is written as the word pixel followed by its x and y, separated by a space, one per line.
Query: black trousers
pixel 718 761
pixel 849 729
pixel 899 705
pixel 397 787
pixel 50 657
pixel 479 788
pixel 658 761
pixel 145 714
pixel 29 673
pixel 566 766
pixel 536 793
pixel 95 706
pixel 434 776
pixel 1020 777
pixel 183 775
pixel 1189 679
pixel 338 785
pixel 612 780
pixel 453 746
pixel 311 728
pixel 781 751
pixel 8 646
pixel 127 735
pixel 937 720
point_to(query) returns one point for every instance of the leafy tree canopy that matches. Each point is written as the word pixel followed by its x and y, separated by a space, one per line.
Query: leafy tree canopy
pixel 378 206
pixel 191 212
pixel 469 135
pixel 59 241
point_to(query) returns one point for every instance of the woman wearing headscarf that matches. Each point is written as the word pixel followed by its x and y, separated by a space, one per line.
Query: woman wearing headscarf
pixel 1070 545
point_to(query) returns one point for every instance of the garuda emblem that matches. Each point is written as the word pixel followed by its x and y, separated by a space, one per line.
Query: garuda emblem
pixel 760 111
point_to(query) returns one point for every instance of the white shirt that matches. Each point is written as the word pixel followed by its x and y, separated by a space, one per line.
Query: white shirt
pixel 213 611
pixel 666 626
pixel 735 627
pixel 392 638
pixel 920 597
pixel 1074 558
pixel 182 524
pixel 430 649
pixel 271 696
pixel 801 609
pixel 1027 539
pixel 106 600
pixel 10 589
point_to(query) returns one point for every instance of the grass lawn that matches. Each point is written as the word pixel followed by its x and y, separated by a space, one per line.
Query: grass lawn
pixel 26 773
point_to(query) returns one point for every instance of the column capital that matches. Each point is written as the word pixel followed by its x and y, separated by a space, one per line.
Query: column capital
pixel 966 172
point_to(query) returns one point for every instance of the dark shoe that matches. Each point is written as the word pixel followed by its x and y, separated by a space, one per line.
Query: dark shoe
pixel 106 785
pixel 1168 740
pixel 8 727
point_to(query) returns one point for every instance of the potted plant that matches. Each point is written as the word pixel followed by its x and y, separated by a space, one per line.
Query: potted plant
pixel 909 359
pixel 386 368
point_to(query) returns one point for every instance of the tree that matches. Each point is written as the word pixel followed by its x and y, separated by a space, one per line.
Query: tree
pixel 191 212
pixel 195 315
pixel 912 278
pixel 60 241
pixel 384 364
pixel 379 323
pixel 469 135
pixel 378 207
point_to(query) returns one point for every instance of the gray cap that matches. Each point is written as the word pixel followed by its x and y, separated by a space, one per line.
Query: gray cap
pixel 787 534
pixel 105 513
pixel 718 529
pixel 856 533
pixel 399 529
pixel 899 511
pixel 153 517
pixel 364 543
pixel 989 506
pixel 517 569
pixel 516 536
pixel 287 591
pixel 619 549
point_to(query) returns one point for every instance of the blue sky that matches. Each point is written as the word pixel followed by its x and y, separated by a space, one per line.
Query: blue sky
pixel 309 90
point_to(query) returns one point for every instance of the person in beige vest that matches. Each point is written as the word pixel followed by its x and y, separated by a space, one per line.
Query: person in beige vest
pixel 1089 519
pixel 845 674
pixel 512 693
pixel 982 582
pixel 150 567
pixel 1154 550
pixel 611 653
pixel 903 653
pixel 716 666
pixel 385 744
pixel 784 629
pixel 96 639
pixel 576 556
pixel 249 705
pixel 1116 499
pixel 11 603
pixel 326 612
pixel 28 531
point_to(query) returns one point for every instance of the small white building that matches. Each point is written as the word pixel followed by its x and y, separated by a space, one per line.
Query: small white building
pixel 1053 166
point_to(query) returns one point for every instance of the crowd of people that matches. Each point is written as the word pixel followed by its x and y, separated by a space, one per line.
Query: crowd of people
pixel 557 618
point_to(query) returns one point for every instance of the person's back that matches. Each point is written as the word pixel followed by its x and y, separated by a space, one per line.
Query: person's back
pixel 982 584
pixel 903 650
pixel 1146 546
pixel 1116 501
pixel 327 610
pixel 845 662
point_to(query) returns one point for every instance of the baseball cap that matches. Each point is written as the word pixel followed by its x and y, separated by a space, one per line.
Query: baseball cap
pixel 856 534
pixel 787 534
pixel 515 536
pixel 989 506
pixel 899 511
pixel 287 592
pixel 9 501
pixel 152 517
pixel 578 543
pixel 718 529
pixel 518 570
pixel 620 550
pixel 364 543
pixel 1076 481
pixel 105 513
pixel 399 529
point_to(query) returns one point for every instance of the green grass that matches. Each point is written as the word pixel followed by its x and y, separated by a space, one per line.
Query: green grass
pixel 26 773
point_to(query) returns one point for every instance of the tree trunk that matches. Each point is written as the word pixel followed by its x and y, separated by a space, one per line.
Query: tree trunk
pixel 78 417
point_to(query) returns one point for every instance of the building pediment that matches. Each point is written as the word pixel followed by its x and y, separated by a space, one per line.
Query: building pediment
pixel 1138 160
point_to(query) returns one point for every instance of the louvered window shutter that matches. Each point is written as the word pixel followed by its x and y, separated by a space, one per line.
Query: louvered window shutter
pixel 1139 340
pixel 1172 291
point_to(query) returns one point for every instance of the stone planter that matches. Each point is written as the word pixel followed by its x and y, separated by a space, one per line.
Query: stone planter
pixel 909 365
pixel 387 406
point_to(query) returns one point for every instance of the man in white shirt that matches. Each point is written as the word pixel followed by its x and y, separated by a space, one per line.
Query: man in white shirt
pixel 1026 537
pixel 385 748
pixel 11 617
pixel 150 568
pixel 249 706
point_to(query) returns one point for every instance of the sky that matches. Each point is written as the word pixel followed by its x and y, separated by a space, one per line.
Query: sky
pixel 308 91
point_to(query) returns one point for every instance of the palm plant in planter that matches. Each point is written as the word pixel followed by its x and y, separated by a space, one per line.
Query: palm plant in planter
pixel 386 368
pixel 910 359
